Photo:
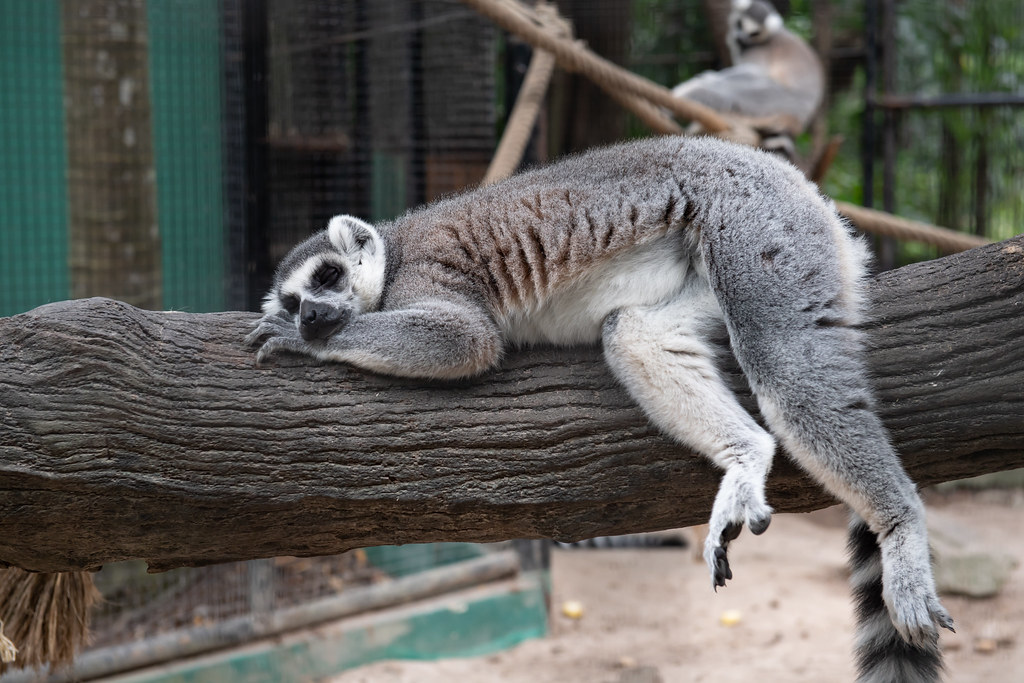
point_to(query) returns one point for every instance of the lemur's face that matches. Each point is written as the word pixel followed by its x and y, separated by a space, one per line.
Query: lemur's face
pixel 329 278
pixel 754 22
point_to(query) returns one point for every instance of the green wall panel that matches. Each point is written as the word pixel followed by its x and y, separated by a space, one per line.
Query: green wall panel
pixel 403 560
pixel 185 80
pixel 33 201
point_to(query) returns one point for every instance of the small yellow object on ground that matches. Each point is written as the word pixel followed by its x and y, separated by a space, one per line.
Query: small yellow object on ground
pixel 730 617
pixel 572 609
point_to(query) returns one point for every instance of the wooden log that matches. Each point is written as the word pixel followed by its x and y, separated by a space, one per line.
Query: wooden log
pixel 127 433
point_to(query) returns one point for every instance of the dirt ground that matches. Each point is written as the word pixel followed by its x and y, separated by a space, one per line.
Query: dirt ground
pixel 650 616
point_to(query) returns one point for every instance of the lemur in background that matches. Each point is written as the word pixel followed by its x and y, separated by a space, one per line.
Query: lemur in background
pixel 776 80
pixel 650 247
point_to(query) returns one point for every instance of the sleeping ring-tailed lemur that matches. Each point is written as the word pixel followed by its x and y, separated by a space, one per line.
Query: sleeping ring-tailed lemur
pixel 649 247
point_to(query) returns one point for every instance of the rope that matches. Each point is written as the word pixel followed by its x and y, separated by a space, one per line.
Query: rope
pixel 575 57
pixel 8 652
pixel 651 116
pixel 531 94
pixel 520 121
pixel 885 224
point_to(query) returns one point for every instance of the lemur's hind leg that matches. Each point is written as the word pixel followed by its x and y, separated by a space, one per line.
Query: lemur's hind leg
pixel 803 355
pixel 662 356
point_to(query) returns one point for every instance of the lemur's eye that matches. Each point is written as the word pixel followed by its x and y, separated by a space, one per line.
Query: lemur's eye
pixel 291 304
pixel 327 276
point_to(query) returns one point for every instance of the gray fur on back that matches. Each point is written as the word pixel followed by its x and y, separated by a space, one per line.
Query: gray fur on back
pixel 517 243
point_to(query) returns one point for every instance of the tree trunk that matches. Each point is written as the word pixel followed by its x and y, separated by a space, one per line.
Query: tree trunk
pixel 134 434
pixel 114 238
pixel 717 12
pixel 581 113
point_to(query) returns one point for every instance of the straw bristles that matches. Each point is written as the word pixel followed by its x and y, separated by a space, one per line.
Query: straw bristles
pixel 44 617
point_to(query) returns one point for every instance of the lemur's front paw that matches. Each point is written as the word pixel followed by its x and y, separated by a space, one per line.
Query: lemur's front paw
pixel 274 334
pixel 738 502
pixel 269 326
pixel 716 548
pixel 281 344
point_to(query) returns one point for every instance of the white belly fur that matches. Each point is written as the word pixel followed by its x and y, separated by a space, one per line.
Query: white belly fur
pixel 573 314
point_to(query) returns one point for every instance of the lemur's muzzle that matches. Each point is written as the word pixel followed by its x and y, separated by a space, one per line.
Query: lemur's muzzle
pixel 318 320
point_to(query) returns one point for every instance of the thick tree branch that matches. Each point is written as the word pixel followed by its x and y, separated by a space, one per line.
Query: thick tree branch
pixel 127 433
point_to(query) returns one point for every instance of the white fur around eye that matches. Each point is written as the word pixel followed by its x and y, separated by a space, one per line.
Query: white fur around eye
pixel 773 23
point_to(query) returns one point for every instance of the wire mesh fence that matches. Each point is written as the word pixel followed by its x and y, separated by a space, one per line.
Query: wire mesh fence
pixel 138 606
pixel 463 598
pixel 168 152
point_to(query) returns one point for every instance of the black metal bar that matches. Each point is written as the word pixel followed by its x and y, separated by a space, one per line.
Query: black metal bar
pixel 362 131
pixel 417 180
pixel 236 238
pixel 257 177
pixel 870 85
pixel 887 245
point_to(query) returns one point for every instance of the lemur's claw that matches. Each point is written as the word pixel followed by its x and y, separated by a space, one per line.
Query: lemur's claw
pixel 273 334
pixel 722 571
pixel 276 345
pixel 267 327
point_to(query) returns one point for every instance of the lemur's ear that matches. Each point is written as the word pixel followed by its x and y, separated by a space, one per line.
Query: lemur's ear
pixel 363 247
pixel 353 237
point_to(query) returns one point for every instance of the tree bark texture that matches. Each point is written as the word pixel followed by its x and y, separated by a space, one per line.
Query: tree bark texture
pixel 127 433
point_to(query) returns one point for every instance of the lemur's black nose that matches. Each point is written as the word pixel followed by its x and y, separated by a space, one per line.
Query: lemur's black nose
pixel 318 320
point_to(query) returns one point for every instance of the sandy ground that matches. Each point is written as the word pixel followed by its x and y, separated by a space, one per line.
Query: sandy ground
pixel 650 616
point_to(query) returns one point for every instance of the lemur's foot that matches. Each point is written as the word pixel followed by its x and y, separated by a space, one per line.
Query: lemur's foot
pixel 916 617
pixel 908 588
pixel 914 607
pixel 716 554
pixel 759 525
pixel 737 502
